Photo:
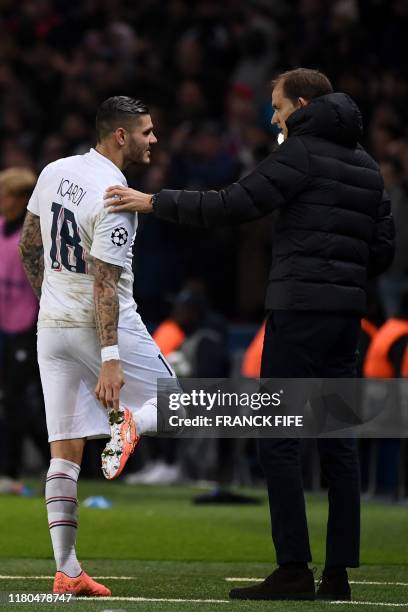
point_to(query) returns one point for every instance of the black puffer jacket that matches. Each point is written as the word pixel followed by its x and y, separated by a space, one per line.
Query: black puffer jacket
pixel 334 228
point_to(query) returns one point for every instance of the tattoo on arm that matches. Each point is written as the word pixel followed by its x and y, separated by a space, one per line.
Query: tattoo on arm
pixel 32 252
pixel 106 302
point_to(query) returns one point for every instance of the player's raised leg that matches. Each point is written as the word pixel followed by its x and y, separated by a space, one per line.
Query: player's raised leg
pixel 142 365
pixel 127 427
pixel 124 437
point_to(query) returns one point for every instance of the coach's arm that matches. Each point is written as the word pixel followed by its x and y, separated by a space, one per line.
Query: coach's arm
pixel 382 245
pixel 111 380
pixel 32 252
pixel 271 184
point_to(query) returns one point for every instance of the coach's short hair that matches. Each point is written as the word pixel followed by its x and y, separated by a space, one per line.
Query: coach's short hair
pixel 115 112
pixel 303 83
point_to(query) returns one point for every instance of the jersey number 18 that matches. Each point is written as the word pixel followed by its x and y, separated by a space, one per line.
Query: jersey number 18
pixel 66 249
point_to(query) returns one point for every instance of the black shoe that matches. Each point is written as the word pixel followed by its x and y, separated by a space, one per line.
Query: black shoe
pixel 334 587
pixel 283 583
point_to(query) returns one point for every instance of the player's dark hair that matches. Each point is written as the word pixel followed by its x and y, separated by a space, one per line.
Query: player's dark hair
pixel 115 112
pixel 303 83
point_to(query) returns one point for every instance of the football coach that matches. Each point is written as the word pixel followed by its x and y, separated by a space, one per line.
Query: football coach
pixel 334 232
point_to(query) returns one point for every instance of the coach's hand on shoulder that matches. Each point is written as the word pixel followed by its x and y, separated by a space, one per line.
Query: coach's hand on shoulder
pixel 125 199
pixel 109 384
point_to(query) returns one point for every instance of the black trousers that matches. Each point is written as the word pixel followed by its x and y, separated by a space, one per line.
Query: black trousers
pixel 23 400
pixel 304 344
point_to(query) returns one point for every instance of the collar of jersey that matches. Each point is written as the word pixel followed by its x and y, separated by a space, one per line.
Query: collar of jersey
pixel 104 160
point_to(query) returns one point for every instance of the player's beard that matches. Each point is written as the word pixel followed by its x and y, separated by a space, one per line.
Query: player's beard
pixel 138 154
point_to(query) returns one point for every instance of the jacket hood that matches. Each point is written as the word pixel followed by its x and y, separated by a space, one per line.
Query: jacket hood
pixel 335 117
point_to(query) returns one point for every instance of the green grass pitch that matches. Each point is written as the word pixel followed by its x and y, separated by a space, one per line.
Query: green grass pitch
pixel 163 554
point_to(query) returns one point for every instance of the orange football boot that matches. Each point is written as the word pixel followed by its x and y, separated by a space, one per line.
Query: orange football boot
pixel 83 585
pixel 122 443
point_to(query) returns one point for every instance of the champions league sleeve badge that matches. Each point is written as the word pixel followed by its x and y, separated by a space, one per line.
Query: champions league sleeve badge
pixel 119 236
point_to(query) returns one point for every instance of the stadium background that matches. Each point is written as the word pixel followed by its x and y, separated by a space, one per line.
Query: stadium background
pixel 204 68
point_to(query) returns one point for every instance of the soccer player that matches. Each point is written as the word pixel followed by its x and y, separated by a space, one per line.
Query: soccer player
pixel 91 339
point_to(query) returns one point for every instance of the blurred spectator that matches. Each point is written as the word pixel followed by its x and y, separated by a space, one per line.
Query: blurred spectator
pixel 204 69
pixel 203 158
pixel 394 282
pixel 193 340
pixel 251 363
pixel 387 357
pixel 191 103
pixel 19 376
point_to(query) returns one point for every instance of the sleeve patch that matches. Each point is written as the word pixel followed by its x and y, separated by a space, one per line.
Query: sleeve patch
pixel 119 236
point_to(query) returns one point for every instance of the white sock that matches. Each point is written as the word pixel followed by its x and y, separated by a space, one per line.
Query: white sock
pixel 61 500
pixel 146 417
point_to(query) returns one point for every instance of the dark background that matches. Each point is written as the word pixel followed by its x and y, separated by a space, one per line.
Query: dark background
pixel 204 68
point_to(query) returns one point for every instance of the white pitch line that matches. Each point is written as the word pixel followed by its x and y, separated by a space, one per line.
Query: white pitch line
pixel 245 579
pixel 378 582
pixel 350 581
pixel 227 601
pixel 369 603
pixel 52 577
pixel 155 599
pixel 232 579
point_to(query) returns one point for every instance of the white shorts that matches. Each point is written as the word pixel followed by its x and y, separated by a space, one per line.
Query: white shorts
pixel 70 360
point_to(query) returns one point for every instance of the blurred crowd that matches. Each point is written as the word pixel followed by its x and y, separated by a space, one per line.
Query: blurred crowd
pixel 204 69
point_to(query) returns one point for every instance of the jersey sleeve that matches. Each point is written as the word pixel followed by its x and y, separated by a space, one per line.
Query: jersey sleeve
pixel 33 205
pixel 113 235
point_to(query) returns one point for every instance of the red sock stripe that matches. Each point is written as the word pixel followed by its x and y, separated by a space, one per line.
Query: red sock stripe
pixel 50 500
pixel 60 475
pixel 63 523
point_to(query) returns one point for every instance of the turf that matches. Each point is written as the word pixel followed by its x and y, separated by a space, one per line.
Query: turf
pixel 193 580
pixel 174 549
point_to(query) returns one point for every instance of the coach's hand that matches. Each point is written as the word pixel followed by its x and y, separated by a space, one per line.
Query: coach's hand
pixel 124 199
pixel 110 382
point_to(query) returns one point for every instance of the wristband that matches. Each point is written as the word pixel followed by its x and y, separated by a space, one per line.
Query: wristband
pixel 110 352
pixel 153 201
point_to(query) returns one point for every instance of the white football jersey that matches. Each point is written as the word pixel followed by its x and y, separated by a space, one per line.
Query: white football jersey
pixel 75 229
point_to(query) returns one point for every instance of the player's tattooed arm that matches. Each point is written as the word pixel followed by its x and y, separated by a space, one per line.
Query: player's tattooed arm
pixel 106 302
pixel 106 299
pixel 32 251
